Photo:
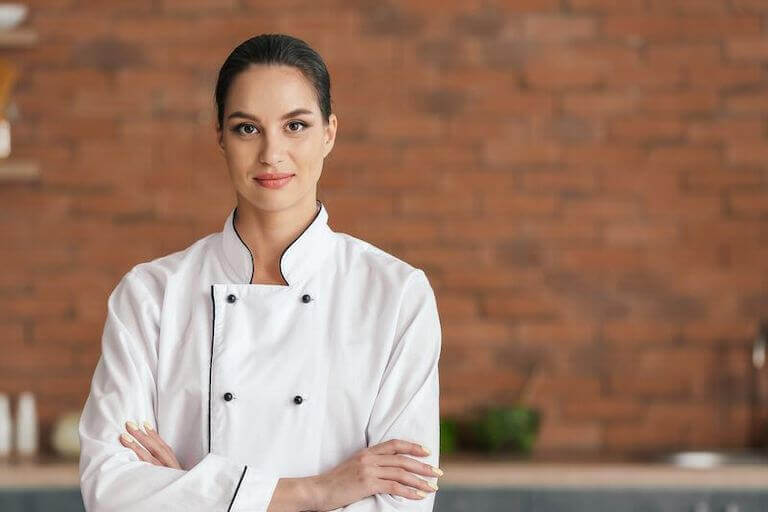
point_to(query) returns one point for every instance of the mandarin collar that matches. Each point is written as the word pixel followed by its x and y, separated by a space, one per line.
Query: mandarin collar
pixel 299 260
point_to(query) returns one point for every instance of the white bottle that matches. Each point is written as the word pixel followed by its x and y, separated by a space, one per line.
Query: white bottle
pixel 5 426
pixel 26 425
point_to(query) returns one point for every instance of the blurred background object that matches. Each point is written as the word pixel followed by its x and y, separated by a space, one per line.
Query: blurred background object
pixel 8 75
pixel 12 14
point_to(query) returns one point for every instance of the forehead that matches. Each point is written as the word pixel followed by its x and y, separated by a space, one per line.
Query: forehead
pixel 269 91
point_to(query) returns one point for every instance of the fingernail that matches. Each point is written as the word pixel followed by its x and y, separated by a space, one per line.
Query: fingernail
pixel 125 438
pixel 432 485
pixel 131 425
pixel 425 449
pixel 420 493
pixel 437 471
pixel 147 426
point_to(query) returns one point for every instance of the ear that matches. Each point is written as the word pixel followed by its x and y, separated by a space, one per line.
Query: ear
pixel 330 134
pixel 220 140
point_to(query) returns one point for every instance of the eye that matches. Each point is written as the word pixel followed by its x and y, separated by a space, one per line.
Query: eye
pixel 236 129
pixel 300 123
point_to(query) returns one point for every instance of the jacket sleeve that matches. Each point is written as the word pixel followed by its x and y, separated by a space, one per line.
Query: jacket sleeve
pixel 112 477
pixel 407 405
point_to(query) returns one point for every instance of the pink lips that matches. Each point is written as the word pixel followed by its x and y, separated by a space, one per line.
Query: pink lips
pixel 274 180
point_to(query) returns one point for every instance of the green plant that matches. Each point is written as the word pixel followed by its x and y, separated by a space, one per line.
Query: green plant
pixel 506 429
pixel 448 436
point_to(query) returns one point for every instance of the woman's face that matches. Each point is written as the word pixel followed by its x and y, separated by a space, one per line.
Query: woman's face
pixel 265 131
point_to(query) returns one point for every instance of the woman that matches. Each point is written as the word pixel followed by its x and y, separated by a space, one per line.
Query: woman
pixel 276 365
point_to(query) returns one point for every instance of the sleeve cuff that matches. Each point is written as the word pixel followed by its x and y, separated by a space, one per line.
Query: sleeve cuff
pixel 253 492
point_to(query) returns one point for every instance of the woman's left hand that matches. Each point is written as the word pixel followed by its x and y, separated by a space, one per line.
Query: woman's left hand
pixel 152 448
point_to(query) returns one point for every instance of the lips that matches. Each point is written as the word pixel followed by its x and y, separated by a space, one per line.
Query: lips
pixel 274 176
pixel 274 180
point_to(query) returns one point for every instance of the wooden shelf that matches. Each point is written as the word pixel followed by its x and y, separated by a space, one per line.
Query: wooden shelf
pixel 15 170
pixel 17 37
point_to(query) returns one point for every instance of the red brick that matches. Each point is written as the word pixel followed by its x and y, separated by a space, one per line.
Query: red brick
pixel 686 54
pixel 504 152
pixel 749 49
pixel 559 28
pixel 568 437
pixel 717 179
pixel 609 6
pixel 668 28
pixel 752 203
pixel 646 128
pixel 641 233
pixel 615 409
pixel 197 6
pixel 518 204
pixel 600 104
pixel 686 7
pixel 722 77
pixel 578 179
pixel 531 306
pixel 746 153
pixel 455 205
pixel 689 102
pixel 725 130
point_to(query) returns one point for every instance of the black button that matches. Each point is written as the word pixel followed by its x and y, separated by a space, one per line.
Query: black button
pixel 231 298
pixel 228 396
pixel 306 298
pixel 297 399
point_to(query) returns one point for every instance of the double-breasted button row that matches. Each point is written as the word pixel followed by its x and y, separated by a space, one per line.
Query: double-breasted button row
pixel 231 298
pixel 229 396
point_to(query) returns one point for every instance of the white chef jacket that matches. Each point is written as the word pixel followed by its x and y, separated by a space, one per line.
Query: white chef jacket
pixel 248 383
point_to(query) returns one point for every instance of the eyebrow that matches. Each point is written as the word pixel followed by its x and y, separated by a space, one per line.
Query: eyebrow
pixel 252 117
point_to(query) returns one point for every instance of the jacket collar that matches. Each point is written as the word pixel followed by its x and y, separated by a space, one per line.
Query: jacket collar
pixel 299 260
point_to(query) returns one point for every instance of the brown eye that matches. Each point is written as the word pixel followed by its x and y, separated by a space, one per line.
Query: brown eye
pixel 300 123
pixel 236 129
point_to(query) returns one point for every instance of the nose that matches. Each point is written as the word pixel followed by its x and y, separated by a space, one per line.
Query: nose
pixel 271 151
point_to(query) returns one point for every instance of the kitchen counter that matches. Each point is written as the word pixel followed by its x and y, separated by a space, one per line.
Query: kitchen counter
pixel 477 472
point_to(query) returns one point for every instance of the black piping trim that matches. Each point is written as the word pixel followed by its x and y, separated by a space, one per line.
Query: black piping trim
pixel 237 488
pixel 244 245
pixel 210 367
pixel 319 203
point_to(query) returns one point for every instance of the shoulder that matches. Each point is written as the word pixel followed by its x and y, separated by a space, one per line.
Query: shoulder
pixel 149 279
pixel 375 264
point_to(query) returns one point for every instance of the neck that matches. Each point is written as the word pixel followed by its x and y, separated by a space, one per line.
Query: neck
pixel 268 233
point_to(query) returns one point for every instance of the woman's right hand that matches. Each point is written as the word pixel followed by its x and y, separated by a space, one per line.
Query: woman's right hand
pixel 372 470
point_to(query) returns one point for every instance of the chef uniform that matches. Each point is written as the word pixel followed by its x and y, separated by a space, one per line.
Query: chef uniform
pixel 248 383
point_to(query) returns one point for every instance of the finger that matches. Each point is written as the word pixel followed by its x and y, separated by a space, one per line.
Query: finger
pixel 404 477
pixel 143 454
pixel 394 446
pixel 396 488
pixel 152 433
pixel 408 463
pixel 148 442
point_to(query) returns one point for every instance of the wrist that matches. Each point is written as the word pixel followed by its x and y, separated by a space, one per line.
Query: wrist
pixel 309 488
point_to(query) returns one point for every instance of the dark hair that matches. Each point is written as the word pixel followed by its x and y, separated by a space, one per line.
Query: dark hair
pixel 275 49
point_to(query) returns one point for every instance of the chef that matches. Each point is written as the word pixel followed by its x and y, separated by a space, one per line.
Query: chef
pixel 275 365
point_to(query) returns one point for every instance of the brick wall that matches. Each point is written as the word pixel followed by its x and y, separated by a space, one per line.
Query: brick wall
pixel 584 182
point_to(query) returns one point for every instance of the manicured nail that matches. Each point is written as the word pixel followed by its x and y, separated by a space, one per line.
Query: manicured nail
pixel 125 438
pixel 425 449
pixel 432 485
pixel 437 471
pixel 147 426
pixel 420 493
pixel 131 425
